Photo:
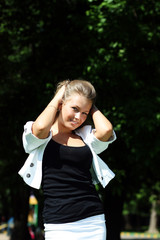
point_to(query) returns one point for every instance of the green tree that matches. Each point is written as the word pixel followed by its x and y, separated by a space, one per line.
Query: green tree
pixel 126 71
pixel 40 44
pixel 115 45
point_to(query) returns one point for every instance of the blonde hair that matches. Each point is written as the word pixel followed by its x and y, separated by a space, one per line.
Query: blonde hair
pixel 81 87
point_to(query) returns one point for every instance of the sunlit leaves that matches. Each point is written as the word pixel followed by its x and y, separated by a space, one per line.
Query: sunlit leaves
pixel 114 44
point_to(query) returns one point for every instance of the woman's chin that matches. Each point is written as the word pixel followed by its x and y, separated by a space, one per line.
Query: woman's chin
pixel 74 125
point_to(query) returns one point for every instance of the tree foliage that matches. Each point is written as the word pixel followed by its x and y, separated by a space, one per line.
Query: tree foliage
pixel 115 45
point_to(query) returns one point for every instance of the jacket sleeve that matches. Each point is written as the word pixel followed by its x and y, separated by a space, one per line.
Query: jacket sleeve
pixel 97 145
pixel 87 134
pixel 30 141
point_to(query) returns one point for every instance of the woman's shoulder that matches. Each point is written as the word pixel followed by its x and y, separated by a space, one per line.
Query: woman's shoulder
pixel 84 131
pixel 87 134
pixel 30 141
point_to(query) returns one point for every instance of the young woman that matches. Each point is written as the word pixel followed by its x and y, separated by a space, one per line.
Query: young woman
pixel 63 158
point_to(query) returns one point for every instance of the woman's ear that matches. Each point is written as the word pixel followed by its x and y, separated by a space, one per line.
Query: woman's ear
pixel 60 106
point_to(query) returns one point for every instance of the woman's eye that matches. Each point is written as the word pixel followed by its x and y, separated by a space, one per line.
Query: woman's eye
pixel 75 109
pixel 86 114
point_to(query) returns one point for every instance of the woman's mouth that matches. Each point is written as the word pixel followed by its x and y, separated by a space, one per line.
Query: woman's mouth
pixel 74 123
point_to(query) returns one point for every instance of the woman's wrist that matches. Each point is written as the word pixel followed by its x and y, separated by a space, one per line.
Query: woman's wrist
pixel 93 109
pixel 55 103
pixel 52 106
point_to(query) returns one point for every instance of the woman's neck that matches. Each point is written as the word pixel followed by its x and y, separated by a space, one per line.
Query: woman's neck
pixel 58 128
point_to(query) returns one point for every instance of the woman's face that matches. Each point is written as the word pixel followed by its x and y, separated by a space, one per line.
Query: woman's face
pixel 74 111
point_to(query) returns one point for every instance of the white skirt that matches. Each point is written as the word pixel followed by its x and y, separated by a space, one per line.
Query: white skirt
pixel 91 228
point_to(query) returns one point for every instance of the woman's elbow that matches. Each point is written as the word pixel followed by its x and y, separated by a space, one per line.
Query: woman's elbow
pixel 39 130
pixel 107 133
pixel 104 133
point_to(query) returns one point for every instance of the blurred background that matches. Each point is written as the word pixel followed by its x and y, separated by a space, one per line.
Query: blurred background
pixel 114 44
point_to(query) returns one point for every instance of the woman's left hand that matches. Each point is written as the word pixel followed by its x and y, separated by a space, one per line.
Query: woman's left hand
pixel 103 126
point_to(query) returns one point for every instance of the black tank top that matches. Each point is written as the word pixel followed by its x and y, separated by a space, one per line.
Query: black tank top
pixel 69 194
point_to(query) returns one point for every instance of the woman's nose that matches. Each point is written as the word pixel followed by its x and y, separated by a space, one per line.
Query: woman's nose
pixel 77 115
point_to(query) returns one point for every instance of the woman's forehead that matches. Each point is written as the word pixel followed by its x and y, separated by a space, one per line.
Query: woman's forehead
pixel 78 100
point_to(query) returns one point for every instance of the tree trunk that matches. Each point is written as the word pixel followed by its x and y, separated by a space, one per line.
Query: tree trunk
pixel 113 212
pixel 127 223
pixel 20 204
pixel 153 218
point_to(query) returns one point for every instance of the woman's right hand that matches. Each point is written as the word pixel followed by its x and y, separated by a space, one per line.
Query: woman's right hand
pixel 42 125
pixel 59 96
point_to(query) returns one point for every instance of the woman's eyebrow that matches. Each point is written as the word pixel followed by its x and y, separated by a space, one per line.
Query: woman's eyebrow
pixel 80 108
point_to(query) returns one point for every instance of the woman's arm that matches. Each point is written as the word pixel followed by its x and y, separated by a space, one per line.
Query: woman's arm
pixel 41 127
pixel 103 127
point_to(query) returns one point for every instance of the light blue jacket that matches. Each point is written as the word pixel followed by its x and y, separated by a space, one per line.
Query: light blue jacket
pixel 31 172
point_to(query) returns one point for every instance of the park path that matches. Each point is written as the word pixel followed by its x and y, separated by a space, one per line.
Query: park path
pixel 126 236
pixel 138 236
